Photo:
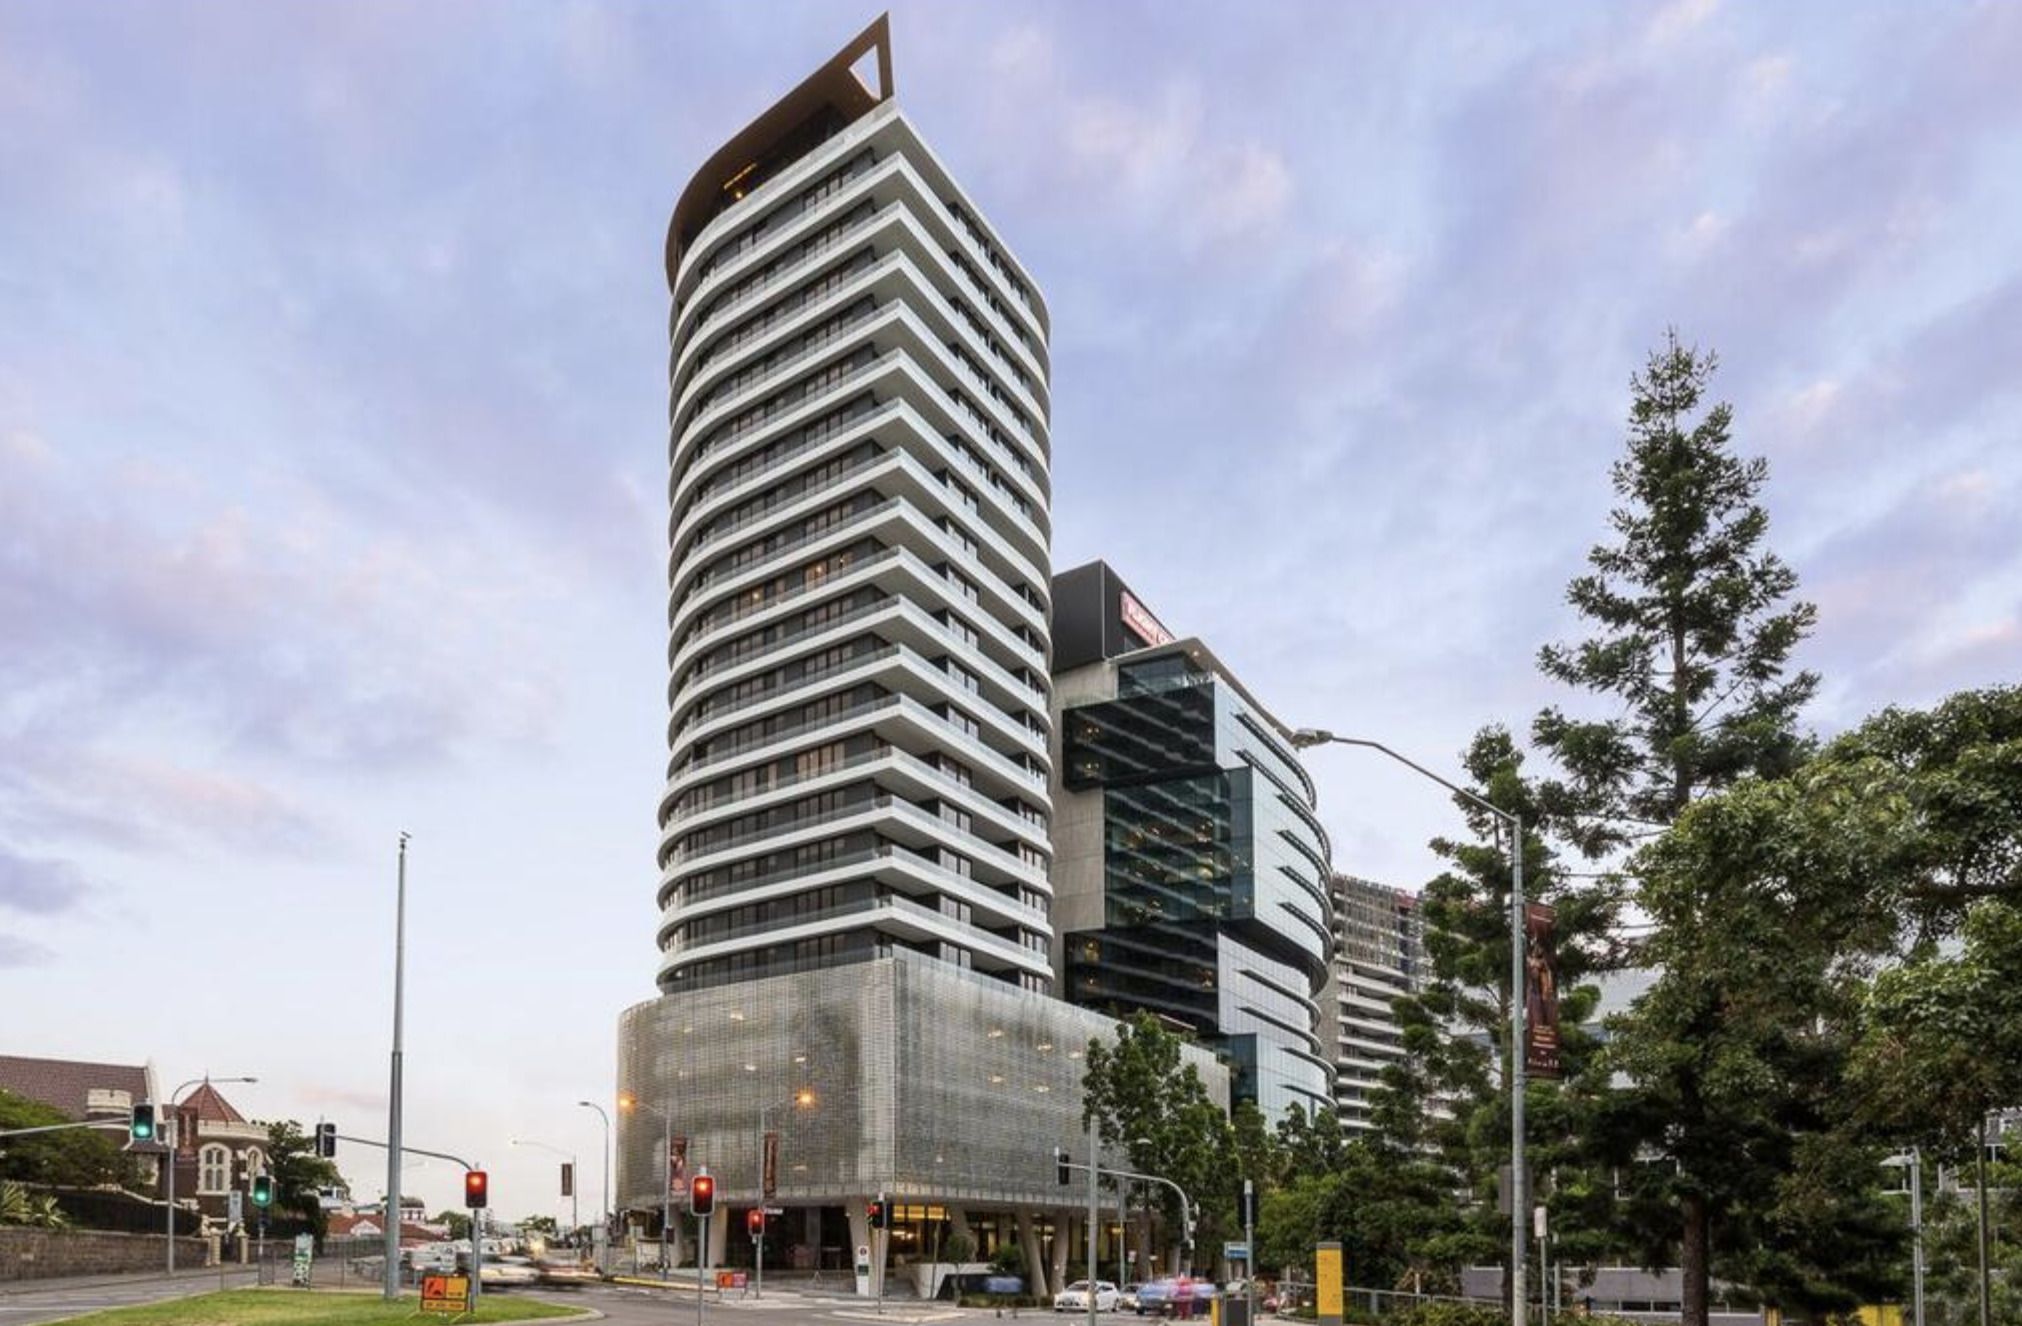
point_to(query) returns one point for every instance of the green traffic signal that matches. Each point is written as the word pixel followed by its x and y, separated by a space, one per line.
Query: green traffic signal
pixel 263 1190
pixel 142 1124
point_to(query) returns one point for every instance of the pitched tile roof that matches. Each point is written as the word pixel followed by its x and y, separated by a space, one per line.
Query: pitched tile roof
pixel 66 1084
pixel 207 1104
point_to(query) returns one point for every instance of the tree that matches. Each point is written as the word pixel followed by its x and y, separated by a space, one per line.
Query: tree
pixel 1950 1015
pixel 542 1225
pixel 300 1175
pixel 1455 1030
pixel 1393 1218
pixel 73 1158
pixel 1153 1107
pixel 1692 631
pixel 1692 637
pixel 456 1222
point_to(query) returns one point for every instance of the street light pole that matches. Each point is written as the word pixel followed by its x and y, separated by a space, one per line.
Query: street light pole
pixel 175 1145
pixel 390 1285
pixel 1519 1215
pixel 575 1210
pixel 593 1105
pixel 631 1102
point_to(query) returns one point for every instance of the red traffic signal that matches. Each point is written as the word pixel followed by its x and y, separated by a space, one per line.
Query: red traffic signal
pixel 476 1189
pixel 701 1195
pixel 754 1221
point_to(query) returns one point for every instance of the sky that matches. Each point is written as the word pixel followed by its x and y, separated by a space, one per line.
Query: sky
pixel 333 442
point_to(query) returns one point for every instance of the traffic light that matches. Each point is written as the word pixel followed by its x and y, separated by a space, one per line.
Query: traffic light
pixel 754 1221
pixel 263 1190
pixel 326 1140
pixel 142 1126
pixel 874 1214
pixel 1060 1163
pixel 476 1189
pixel 701 1195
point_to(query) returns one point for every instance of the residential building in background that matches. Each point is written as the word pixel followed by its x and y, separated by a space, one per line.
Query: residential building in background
pixel 1379 954
pixel 1191 875
pixel 855 934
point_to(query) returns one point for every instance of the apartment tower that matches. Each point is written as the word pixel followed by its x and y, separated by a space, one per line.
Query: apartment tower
pixel 858 570
pixel 854 887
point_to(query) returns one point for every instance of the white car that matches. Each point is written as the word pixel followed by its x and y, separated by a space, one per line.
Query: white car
pixel 508 1273
pixel 1074 1298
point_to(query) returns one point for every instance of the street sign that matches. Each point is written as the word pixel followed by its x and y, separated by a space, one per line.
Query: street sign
pixel 448 1294
pixel 775 1210
pixel 235 1208
pixel 1236 1252
pixel 305 1252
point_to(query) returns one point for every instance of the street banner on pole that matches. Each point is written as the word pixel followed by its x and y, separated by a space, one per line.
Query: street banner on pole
pixel 1541 993
pixel 568 1179
pixel 677 1165
pixel 771 1165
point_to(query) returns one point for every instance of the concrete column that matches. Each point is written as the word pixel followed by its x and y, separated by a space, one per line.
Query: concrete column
pixel 719 1235
pixel 1028 1242
pixel 1063 1240
pixel 860 1235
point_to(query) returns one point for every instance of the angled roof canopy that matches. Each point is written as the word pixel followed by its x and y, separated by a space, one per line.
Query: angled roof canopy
pixel 831 94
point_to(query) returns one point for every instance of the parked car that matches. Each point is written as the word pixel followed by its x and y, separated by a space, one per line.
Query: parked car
pixel 1158 1298
pixel 1074 1298
pixel 1126 1298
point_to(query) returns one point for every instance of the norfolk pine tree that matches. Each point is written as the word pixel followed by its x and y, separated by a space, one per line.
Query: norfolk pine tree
pixel 1466 914
pixel 1692 635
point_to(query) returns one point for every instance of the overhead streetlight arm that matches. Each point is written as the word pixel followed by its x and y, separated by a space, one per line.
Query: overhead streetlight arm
pixel 1520 1200
pixel 1308 737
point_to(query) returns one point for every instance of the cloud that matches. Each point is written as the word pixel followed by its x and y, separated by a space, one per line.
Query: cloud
pixel 39 886
pixel 18 952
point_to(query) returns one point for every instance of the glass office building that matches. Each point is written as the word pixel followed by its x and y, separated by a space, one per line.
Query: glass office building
pixel 1191 870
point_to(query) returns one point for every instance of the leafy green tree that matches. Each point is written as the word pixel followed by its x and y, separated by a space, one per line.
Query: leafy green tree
pixel 1309 1145
pixel 1950 1017
pixel 73 1158
pixel 1152 1106
pixel 1393 1216
pixel 541 1225
pixel 1692 635
pixel 299 1175
pixel 456 1222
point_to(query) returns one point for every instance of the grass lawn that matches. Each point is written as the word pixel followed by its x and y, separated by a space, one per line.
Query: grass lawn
pixel 296 1307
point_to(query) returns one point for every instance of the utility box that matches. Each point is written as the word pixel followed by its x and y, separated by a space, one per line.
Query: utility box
pixel 1229 1310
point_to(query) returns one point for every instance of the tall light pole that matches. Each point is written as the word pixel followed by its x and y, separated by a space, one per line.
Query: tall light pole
pixel 1913 1161
pixel 175 1145
pixel 1519 1189
pixel 630 1103
pixel 593 1105
pixel 800 1100
pixel 575 1214
pixel 391 1280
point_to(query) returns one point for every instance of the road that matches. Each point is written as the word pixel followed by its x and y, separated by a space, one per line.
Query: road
pixel 26 1303
pixel 626 1306
pixel 30 1304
